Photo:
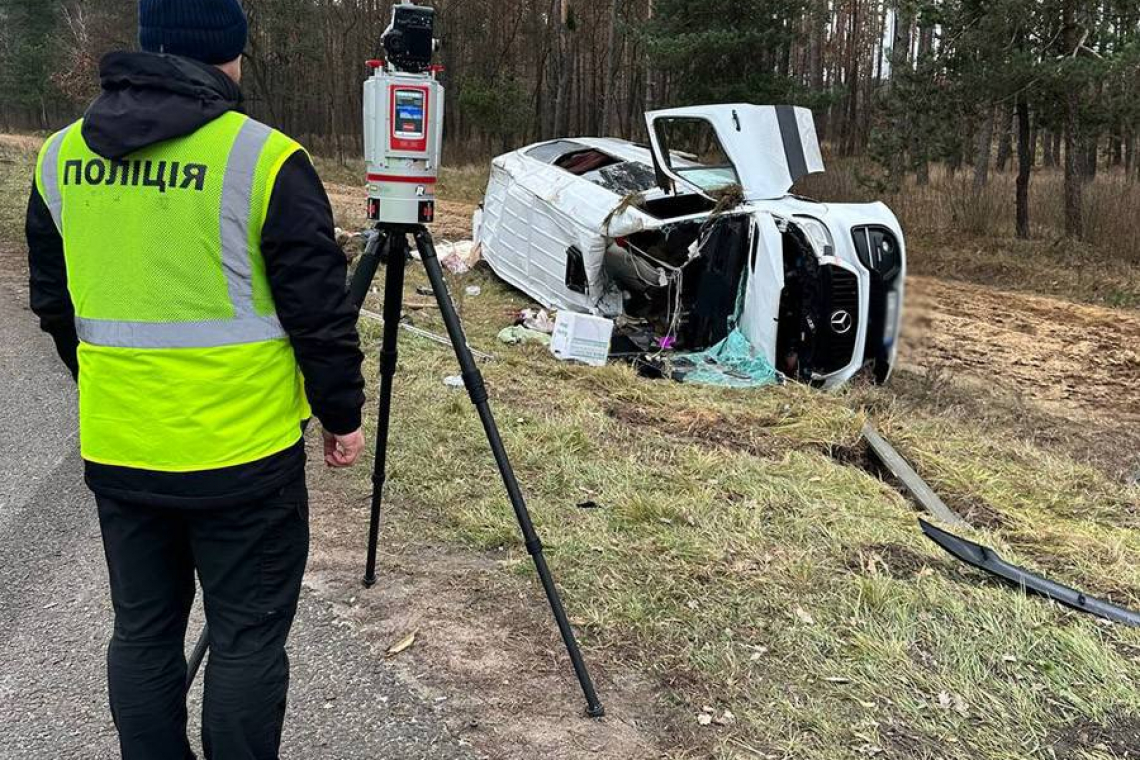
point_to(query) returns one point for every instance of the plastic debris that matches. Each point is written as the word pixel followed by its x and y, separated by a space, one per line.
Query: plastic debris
pixel 453 381
pixel 517 334
pixel 460 257
pixel 732 363
pixel 473 290
pixel 536 320
pixel 985 558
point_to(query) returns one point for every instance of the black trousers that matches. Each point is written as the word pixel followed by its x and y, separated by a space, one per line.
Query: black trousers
pixel 250 559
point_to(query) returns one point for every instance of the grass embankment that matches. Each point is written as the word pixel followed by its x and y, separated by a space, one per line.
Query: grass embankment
pixel 741 554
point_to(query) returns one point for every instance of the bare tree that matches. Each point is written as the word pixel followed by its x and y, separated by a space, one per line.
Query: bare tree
pixel 611 69
pixel 1074 188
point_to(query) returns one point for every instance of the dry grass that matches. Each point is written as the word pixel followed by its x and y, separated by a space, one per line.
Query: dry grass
pixel 17 165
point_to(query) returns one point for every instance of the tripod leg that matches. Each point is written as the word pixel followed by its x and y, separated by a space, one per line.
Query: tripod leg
pixel 197 655
pixel 366 267
pixel 473 379
pixel 393 304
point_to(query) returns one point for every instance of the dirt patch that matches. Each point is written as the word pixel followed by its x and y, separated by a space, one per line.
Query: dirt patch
pixel 486 651
pixel 14 273
pixel 705 427
pixel 892 560
pixel 1082 362
pixel 900 742
pixel 1117 736
pixel 978 512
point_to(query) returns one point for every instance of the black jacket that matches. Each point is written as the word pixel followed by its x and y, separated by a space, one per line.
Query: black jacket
pixel 149 98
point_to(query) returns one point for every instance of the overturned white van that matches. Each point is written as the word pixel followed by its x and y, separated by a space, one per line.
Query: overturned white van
pixel 696 235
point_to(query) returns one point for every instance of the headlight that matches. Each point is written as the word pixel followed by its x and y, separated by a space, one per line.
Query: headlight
pixel 818 234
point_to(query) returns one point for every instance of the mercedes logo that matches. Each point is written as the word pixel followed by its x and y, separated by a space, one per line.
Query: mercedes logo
pixel 841 322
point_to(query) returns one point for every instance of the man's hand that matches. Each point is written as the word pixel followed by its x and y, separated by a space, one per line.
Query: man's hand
pixel 343 450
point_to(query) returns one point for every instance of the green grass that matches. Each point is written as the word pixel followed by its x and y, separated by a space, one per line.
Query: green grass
pixel 742 557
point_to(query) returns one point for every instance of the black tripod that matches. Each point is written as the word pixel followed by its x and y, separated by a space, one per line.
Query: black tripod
pixel 390 246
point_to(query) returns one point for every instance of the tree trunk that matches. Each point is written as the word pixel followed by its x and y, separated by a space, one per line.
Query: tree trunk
pixel 1115 148
pixel 1025 149
pixel 562 94
pixel 1074 189
pixel 982 151
pixel 1090 156
pixel 610 86
pixel 817 41
pixel 899 61
pixel 851 125
pixel 652 83
pixel 1005 141
pixel 1129 153
pixel 920 150
pixel 1074 184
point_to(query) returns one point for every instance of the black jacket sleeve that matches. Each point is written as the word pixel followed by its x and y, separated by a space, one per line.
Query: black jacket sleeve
pixel 50 299
pixel 307 275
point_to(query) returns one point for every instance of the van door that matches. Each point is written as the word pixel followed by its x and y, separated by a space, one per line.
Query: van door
pixel 706 149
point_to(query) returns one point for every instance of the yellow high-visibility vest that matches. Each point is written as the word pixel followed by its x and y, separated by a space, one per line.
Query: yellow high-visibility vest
pixel 183 365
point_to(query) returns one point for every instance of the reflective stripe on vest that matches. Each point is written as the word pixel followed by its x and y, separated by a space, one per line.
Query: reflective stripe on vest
pixel 211 334
pixel 237 199
pixel 53 197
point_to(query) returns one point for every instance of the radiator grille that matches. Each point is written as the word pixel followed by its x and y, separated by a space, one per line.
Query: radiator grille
pixel 840 319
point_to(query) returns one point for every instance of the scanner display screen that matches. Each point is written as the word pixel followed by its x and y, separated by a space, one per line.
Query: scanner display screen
pixel 409 113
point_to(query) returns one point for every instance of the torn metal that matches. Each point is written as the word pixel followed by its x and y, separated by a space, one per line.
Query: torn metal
pixel 985 558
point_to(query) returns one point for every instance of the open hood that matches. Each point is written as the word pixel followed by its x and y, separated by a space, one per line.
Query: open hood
pixel 764 149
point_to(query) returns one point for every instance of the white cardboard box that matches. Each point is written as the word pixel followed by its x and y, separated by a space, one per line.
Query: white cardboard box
pixel 582 337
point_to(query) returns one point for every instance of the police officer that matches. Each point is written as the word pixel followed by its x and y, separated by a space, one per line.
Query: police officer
pixel 183 259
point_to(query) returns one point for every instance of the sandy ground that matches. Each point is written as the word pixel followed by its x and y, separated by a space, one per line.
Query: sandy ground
pixel 484 649
pixel 1076 361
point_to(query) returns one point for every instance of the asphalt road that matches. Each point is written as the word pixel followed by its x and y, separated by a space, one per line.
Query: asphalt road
pixel 55 614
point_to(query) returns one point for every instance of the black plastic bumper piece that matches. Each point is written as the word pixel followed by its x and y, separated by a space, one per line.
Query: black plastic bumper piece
pixel 985 558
